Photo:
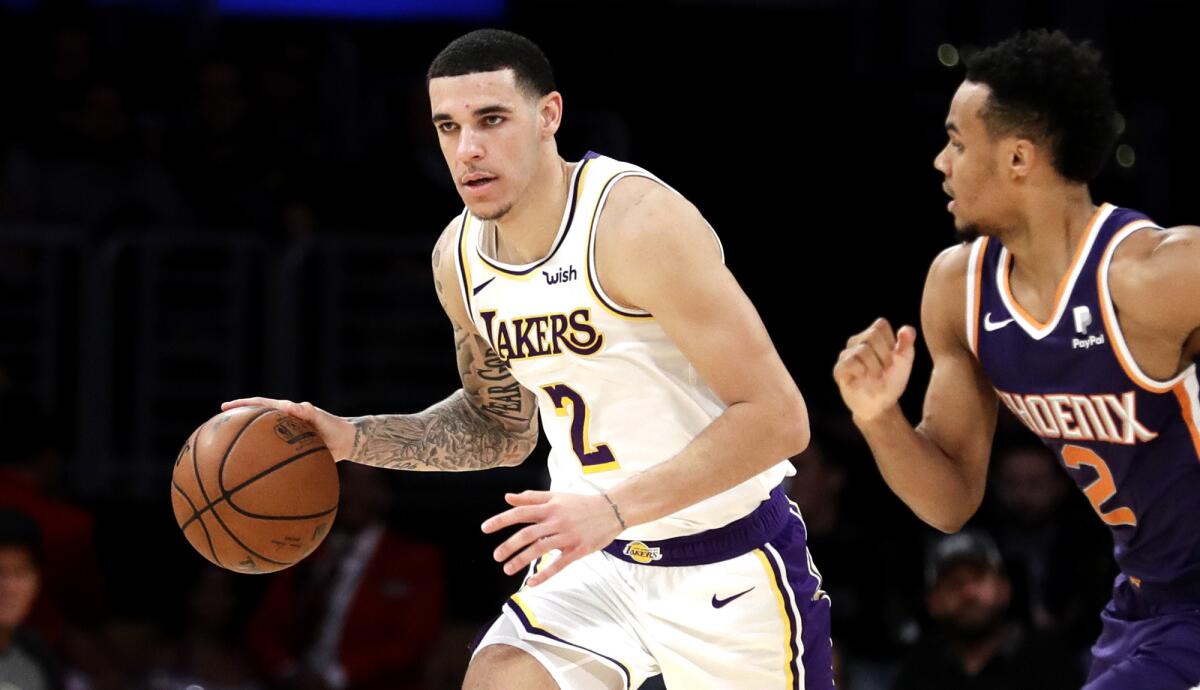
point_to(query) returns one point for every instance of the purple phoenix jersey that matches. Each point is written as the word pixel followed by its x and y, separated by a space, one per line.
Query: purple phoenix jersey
pixel 1130 442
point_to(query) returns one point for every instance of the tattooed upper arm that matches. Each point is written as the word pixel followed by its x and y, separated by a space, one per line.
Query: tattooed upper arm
pixel 490 422
pixel 487 381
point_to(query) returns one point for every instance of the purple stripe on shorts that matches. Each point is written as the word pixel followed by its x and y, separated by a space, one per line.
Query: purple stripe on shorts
pixel 529 626
pixel 811 603
pixel 738 537
pixel 789 605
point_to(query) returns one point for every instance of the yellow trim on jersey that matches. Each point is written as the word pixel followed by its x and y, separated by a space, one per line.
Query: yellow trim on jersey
pixel 787 621
pixel 560 239
pixel 468 284
pixel 522 278
pixel 611 309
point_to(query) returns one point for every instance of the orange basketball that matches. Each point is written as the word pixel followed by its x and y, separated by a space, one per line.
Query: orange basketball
pixel 254 490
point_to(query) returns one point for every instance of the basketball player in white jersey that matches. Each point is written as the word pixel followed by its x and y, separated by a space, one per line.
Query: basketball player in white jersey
pixel 596 295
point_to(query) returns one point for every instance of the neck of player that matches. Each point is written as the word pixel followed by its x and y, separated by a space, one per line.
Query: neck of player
pixel 1050 226
pixel 526 233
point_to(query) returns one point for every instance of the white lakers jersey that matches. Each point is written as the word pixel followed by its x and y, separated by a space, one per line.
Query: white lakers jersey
pixel 616 396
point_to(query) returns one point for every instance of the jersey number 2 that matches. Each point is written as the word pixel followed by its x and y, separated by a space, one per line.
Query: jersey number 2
pixel 566 401
pixel 1100 490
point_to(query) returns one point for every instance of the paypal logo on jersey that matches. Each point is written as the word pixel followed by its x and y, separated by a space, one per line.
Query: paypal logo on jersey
pixel 1083 319
pixel 561 276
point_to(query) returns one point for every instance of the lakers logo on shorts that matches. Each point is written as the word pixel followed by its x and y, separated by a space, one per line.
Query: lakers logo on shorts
pixel 642 553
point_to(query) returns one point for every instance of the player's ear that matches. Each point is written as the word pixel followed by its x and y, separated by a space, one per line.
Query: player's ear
pixel 1022 155
pixel 550 110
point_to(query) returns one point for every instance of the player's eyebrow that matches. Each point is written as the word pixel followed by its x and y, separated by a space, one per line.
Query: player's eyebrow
pixel 951 127
pixel 478 112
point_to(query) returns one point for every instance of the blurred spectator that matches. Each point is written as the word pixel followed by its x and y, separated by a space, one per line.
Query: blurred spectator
pixel 25 662
pixel 94 173
pixel 31 469
pixel 976 645
pixel 209 654
pixel 1057 552
pixel 222 164
pixel 363 612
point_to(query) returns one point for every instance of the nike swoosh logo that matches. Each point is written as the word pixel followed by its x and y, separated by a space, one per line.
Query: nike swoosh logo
pixel 988 324
pixel 718 603
pixel 482 285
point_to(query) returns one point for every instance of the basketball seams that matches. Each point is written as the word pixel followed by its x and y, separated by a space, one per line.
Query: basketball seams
pixel 239 511
pixel 242 544
pixel 203 494
pixel 220 469
pixel 227 494
pixel 196 518
pixel 229 450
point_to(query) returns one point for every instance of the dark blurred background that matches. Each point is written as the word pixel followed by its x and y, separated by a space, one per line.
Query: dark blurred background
pixel 201 200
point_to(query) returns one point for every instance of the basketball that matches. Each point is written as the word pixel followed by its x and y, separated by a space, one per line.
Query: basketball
pixel 254 490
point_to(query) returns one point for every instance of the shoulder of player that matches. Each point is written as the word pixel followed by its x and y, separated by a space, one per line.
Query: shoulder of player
pixel 641 214
pixel 445 273
pixel 948 272
pixel 443 249
pixel 1152 260
pixel 944 302
pixel 1151 264
pixel 648 236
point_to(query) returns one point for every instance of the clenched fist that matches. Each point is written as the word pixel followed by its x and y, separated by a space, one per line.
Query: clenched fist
pixel 873 370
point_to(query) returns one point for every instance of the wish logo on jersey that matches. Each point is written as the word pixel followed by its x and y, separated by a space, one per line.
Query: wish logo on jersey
pixel 1109 417
pixel 539 336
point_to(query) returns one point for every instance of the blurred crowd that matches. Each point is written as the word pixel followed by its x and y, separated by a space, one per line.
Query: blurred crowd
pixel 109 126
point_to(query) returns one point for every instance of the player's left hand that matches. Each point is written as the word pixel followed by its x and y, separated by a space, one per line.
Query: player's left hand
pixel 575 524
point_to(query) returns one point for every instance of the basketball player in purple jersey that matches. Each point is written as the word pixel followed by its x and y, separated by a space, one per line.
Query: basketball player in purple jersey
pixel 1082 319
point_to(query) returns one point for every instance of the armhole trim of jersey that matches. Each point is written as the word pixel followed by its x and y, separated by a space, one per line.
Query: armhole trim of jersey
pixel 1188 393
pixel 593 279
pixel 463 266
pixel 1113 327
pixel 526 271
pixel 974 292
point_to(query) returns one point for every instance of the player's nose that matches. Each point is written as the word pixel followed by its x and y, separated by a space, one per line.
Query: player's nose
pixel 939 162
pixel 470 145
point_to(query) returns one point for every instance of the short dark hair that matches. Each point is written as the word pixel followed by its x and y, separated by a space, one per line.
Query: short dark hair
pixel 1045 87
pixel 19 530
pixel 489 50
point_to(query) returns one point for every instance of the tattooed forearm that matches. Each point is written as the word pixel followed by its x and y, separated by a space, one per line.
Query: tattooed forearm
pixel 491 422
pixel 453 435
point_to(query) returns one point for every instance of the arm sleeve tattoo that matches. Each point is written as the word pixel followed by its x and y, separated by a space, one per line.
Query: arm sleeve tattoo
pixel 490 422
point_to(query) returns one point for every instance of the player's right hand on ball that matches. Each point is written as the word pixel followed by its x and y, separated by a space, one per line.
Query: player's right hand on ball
pixel 337 432
pixel 873 370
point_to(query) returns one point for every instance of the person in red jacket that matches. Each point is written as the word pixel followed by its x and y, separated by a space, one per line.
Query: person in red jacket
pixel 363 612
